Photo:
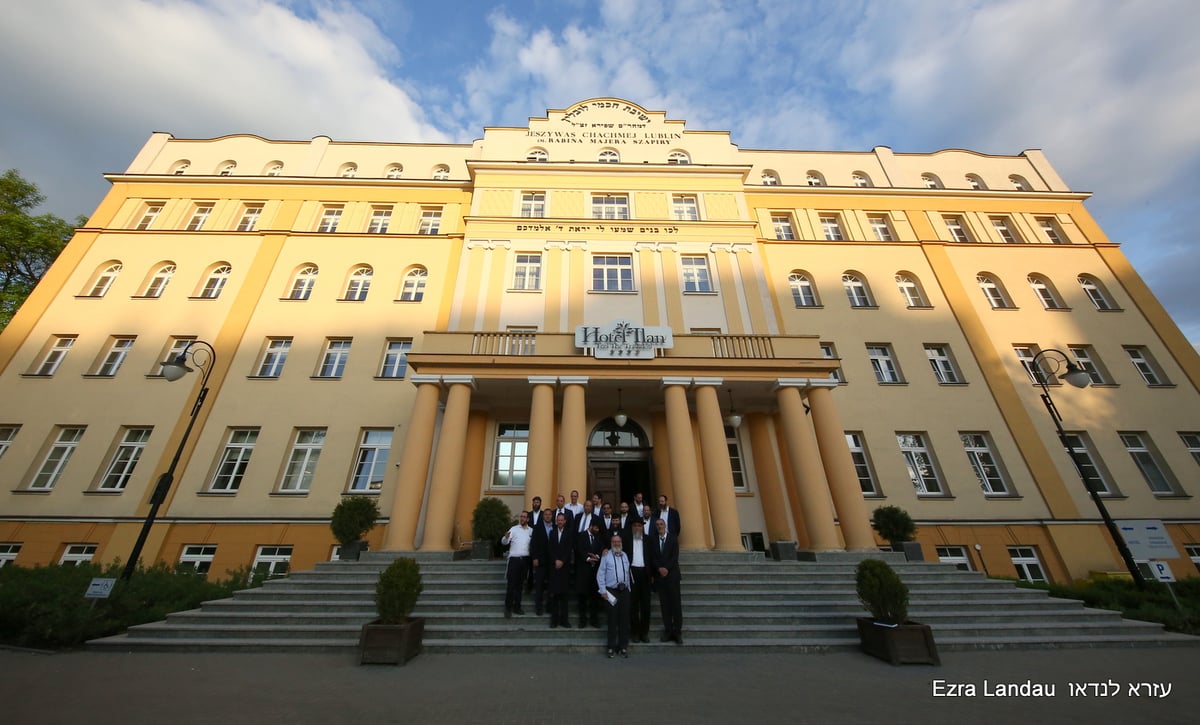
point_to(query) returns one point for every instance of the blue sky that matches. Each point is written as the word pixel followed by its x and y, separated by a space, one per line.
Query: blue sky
pixel 1109 89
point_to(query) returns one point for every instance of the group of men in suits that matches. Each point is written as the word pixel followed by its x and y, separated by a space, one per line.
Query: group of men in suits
pixel 570 541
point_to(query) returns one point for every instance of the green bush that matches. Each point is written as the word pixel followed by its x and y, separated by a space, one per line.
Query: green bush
pixel 491 519
pixel 893 524
pixel 353 517
pixel 881 591
pixel 44 607
pixel 397 590
pixel 1153 604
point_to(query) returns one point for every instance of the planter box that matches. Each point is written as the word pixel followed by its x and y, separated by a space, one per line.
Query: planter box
pixel 481 549
pixel 391 644
pixel 905 644
pixel 912 550
pixel 783 550
pixel 352 551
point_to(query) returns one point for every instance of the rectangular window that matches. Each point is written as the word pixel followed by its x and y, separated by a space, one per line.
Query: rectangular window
pixel 942 364
pixel 76 554
pixel 174 348
pixel 115 357
pixel 1089 465
pixel 956 555
pixel 1146 366
pixel 922 469
pixel 829 352
pixel 274 356
pixel 199 216
pixel 395 358
pixel 831 226
pixel 1028 565
pixel 783 226
pixel 331 216
pixel 957 228
pixel 610 206
pixel 120 469
pixel 1193 552
pixel 431 221
pixel 612 273
pixel 1026 354
pixel 8 553
pixel 735 459
pixel 1051 229
pixel 1191 441
pixel 7 434
pixel 302 461
pixel 527 271
pixel 862 463
pixel 333 361
pixel 985 463
pixel 380 219
pixel 685 208
pixel 272 561
pixel 234 459
pixel 1149 464
pixel 695 273
pixel 371 462
pixel 250 216
pixel 197 558
pixel 59 347
pixel 57 459
pixel 148 216
pixel 512 455
pixel 533 204
pixel 1004 228
pixel 881 228
pixel 883 362
pixel 1085 358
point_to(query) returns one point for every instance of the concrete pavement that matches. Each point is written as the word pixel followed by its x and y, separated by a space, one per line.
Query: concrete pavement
pixel 672 686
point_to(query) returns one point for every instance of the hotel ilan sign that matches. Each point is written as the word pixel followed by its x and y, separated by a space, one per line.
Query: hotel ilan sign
pixel 623 339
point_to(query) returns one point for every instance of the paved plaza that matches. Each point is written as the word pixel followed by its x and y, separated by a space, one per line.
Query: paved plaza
pixel 666 686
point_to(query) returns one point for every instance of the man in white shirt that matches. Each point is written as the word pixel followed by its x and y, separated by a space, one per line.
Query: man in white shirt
pixel 575 506
pixel 615 582
pixel 639 567
pixel 518 540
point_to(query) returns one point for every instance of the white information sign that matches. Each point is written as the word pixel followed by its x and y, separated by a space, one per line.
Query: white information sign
pixel 1147 539
pixel 99 588
pixel 1162 572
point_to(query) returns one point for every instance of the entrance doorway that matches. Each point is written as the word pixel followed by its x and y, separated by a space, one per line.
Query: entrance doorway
pixel 619 462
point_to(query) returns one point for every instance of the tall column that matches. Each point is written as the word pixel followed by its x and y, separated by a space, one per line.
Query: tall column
pixel 539 466
pixel 685 478
pixel 414 466
pixel 448 465
pixel 806 469
pixel 572 442
pixel 718 474
pixel 766 474
pixel 839 470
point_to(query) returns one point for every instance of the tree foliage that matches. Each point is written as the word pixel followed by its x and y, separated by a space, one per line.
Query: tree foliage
pixel 29 243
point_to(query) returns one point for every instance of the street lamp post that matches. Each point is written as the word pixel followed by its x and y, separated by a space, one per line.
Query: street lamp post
pixel 202 356
pixel 1079 378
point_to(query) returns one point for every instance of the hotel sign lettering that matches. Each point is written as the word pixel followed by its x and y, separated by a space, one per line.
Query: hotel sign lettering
pixel 623 339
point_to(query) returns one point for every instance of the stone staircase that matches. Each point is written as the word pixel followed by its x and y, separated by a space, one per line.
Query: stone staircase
pixel 736 602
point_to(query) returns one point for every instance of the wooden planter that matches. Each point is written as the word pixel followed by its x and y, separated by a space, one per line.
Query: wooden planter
pixel 905 644
pixel 391 644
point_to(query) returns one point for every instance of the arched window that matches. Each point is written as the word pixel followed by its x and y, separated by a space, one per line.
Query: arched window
pixel 1096 293
pixel 394 171
pixel 227 168
pixel 413 289
pixel 159 280
pixel 678 157
pixel 538 156
pixel 1019 183
pixel 215 281
pixel 607 434
pixel 815 178
pixel 976 182
pixel 609 156
pixel 359 283
pixel 104 279
pixel 275 168
pixel 180 166
pixel 770 178
pixel 931 181
pixel 303 282
pixel 804 292
pixel 441 172
pixel 910 290
pixel 993 292
pixel 861 180
pixel 348 171
pixel 856 290
pixel 1046 294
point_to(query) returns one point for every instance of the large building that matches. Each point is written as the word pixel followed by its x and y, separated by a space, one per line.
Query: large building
pixel 607 301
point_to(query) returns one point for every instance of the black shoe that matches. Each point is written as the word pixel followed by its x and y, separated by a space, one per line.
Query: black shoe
pixel 519 612
pixel 582 623
pixel 507 613
pixel 553 624
pixel 679 639
pixel 610 654
pixel 596 623
pixel 566 624
pixel 625 653
pixel 665 638
pixel 538 612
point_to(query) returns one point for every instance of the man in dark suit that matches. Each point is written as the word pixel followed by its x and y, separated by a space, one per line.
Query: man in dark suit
pixel 588 549
pixel 540 558
pixel 637 548
pixel 560 551
pixel 670 515
pixel 583 522
pixel 560 507
pixel 665 560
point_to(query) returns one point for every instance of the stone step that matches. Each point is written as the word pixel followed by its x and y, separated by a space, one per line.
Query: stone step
pixel 266 630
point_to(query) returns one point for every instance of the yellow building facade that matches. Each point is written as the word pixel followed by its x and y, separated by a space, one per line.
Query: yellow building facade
pixel 790 339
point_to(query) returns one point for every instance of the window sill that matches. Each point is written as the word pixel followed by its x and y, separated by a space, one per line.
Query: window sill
pixel 324 377
pixel 356 492
pixel 810 307
pixel 1114 309
pixel 700 293
pixel 1168 386
pixel 514 491
pixel 1181 496
pixel 1104 385
pixel 934 497
pixel 258 377
pixel 210 299
pixel 95 376
pixel 89 297
pixel 1057 309
pixel 892 383
pixel 33 491
pixel 406 302
pixel 920 307
pixel 289 494
pixel 1002 497
pixel 217 494
pixel 864 307
pixel 959 384
pixel 347 299
pixel 612 292
pixel 145 297
pixel 293 299
pixel 523 291
pixel 104 492
pixel 1008 308
pixel 37 375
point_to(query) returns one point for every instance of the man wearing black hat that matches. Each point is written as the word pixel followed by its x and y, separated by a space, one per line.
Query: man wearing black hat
pixel 637 549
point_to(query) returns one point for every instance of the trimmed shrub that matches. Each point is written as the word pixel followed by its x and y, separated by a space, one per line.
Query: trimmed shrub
pixel 353 517
pixel 491 519
pixel 881 591
pixel 893 524
pixel 397 590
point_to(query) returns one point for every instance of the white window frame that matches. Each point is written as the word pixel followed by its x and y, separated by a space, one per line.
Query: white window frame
pixel 250 217
pixel 413 287
pixel 55 355
pixel 381 219
pixel 304 282
pixel 196 557
pixel 608 156
pixel 8 553
pixel 118 351
pixel 331 217
pixel 1097 294
pixel 694 269
pixel 1087 360
pixel 985 462
pixel 215 282
pixel 395 357
pixel 867 480
pixel 533 204
pixel 1004 227
pixel 883 363
pixel 1045 292
pixel 1051 230
pixel 272 561
pixel 431 222
pixel 612 273
pixel 1146 366
pixel 610 206
pixel 829 352
pixel 1191 441
pixel 125 459
pixel 200 215
pixel 510 458
pixel 931 181
pixel 783 226
pixel 149 215
pixel 831 227
pixel 441 173
pixel 685 207
pixel 334 357
pixel 769 178
pixel 737 463
pixel 993 292
pixel 370 461
pixel 1193 553
pixel 104 280
pixel 861 180
pixel 8 433
pixel 679 158
pixel 159 281
pixel 1149 463
pixel 393 171
pixel 303 457
pixel 274 356
pixel 804 292
pixel 956 555
pixel 941 361
pixel 957 227
pixel 527 271
pixel 358 285
pixel 922 466
pixel 1093 474
pixel 537 156
pixel 76 554
pixel 56 460
pixel 857 292
pixel 235 459
pixel 881 227
pixel 1028 564
pixel 910 290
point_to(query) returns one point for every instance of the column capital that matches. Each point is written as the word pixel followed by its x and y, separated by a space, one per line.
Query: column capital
pixel 580 246
pixel 685 382
pixel 424 379
pixel 573 379
pixel 804 383
pixel 542 379
pixel 555 244
pixel 708 381
pixel 822 383
pixel 468 380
